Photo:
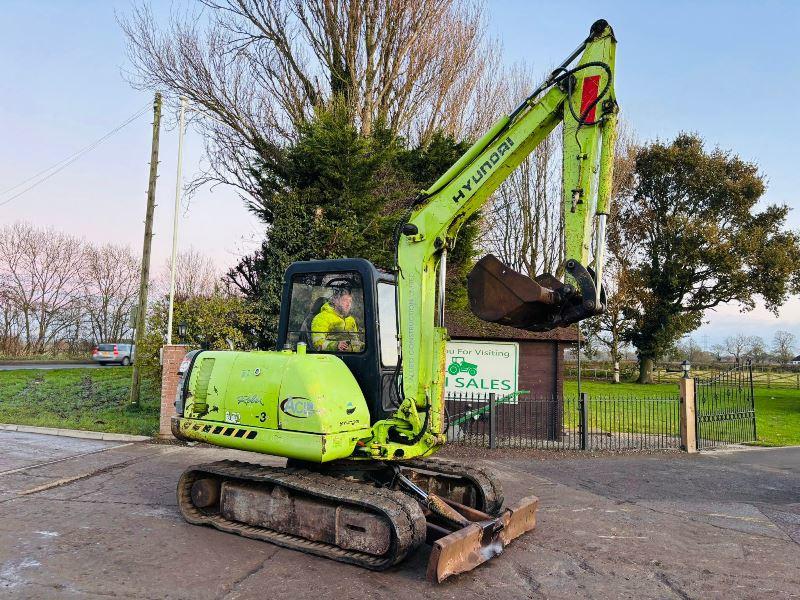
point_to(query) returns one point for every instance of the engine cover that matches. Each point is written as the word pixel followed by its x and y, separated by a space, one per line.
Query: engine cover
pixel 305 406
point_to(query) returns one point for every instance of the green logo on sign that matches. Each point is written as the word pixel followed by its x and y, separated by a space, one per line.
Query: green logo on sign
pixel 459 365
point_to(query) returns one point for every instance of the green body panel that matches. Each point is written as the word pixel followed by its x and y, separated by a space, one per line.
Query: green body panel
pixel 303 406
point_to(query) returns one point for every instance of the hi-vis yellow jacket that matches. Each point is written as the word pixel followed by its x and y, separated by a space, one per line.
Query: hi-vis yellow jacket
pixel 328 328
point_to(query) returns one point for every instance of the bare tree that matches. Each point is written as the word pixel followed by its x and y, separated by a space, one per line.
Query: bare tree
pixel 523 225
pixel 42 271
pixel 195 275
pixel 259 68
pixel 783 344
pixel 10 323
pixel 756 349
pixel 736 345
pixel 614 322
pixel 111 282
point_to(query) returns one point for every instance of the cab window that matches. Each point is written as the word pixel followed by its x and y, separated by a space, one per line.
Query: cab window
pixel 387 323
pixel 326 312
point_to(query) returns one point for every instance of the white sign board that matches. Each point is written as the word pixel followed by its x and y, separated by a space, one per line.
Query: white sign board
pixel 478 368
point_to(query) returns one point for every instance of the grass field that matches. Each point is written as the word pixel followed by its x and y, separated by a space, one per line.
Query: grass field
pixel 89 399
pixel 627 408
pixel 777 410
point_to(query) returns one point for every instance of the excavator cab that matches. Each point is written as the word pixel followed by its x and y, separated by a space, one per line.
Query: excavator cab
pixel 369 348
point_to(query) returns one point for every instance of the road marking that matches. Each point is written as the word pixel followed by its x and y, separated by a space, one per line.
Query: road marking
pixel 56 483
pixel 100 471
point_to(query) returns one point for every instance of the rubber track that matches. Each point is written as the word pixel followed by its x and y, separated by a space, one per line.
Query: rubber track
pixel 403 512
pixel 490 487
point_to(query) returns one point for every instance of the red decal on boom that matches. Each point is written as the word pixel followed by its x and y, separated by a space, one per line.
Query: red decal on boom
pixel 591 87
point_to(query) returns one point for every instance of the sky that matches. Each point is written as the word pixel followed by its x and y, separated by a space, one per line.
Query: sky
pixel 725 69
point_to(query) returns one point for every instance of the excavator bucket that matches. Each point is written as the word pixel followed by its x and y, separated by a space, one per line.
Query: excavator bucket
pixel 499 294
pixel 479 540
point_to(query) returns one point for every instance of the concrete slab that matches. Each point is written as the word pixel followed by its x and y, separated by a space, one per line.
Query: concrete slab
pixel 106 524
pixel 20 449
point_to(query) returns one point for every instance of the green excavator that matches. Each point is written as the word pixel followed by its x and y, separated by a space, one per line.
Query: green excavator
pixel 358 407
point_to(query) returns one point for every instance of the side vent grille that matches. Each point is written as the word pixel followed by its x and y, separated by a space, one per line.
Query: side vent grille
pixel 203 380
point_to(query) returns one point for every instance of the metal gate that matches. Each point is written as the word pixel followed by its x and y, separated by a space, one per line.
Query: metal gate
pixel 725 408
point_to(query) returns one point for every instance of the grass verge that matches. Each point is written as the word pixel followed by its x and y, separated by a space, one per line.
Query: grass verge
pixel 88 399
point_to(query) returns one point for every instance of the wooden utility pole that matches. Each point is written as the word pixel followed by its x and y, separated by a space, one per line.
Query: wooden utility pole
pixel 141 313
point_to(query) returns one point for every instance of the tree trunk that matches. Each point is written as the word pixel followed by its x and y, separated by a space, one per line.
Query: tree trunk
pixel 645 370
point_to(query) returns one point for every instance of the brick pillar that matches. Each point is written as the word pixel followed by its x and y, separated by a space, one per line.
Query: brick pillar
pixel 170 362
pixel 688 418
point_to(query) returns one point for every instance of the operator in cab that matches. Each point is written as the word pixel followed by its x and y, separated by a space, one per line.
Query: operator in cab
pixel 334 329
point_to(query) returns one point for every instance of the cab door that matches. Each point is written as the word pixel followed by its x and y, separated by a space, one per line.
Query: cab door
pixel 389 348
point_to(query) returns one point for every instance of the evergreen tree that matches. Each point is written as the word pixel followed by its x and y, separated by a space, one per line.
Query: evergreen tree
pixel 334 194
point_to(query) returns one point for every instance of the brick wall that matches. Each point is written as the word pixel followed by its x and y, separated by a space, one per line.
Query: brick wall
pixel 171 361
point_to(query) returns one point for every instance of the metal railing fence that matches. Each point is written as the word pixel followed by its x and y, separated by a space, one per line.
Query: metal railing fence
pixel 618 422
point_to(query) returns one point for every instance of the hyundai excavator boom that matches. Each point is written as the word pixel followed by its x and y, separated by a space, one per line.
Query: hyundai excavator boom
pixel 357 414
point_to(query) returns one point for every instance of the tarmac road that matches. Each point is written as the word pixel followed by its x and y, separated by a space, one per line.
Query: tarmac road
pixel 89 519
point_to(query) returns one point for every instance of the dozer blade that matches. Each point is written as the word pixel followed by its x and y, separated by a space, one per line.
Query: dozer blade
pixel 499 294
pixel 481 540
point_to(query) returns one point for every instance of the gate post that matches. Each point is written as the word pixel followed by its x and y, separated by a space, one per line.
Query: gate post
pixel 688 415
pixel 172 356
pixel 492 422
pixel 583 423
pixel 752 397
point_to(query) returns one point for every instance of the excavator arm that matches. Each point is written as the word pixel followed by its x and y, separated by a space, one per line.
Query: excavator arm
pixel 580 96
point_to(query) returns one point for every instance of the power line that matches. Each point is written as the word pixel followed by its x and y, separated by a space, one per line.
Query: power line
pixel 79 152
pixel 56 168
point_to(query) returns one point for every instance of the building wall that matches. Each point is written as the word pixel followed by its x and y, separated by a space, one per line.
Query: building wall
pixel 539 369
